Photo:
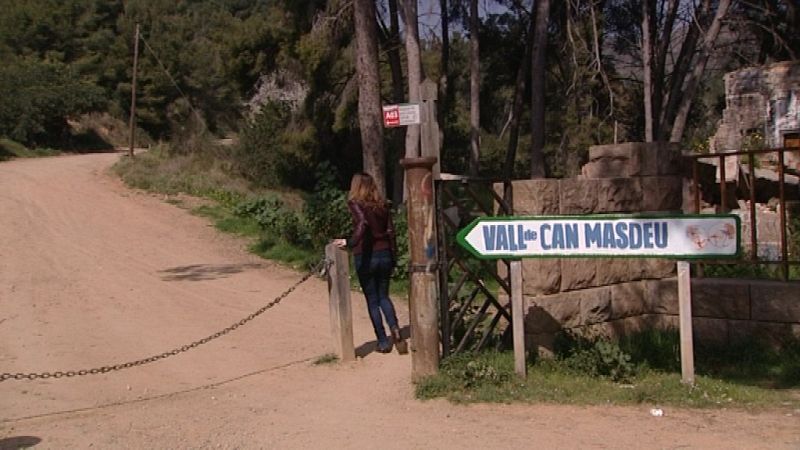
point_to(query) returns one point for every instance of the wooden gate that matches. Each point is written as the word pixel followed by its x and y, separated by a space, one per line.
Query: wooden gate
pixel 474 314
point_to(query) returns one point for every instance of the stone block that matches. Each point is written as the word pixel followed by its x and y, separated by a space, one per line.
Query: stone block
pixel 720 298
pixel 578 196
pixel 662 193
pixel 548 314
pixel 543 344
pixel 578 273
pixel 595 305
pixel 707 331
pixel 775 301
pixel 656 268
pixel 616 161
pixel 628 299
pixel 661 296
pixel 619 195
pixel 616 270
pixel 670 160
pixel 771 333
pixel 534 197
pixel 663 321
pixel 541 276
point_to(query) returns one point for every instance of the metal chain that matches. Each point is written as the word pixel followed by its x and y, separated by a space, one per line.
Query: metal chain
pixel 320 269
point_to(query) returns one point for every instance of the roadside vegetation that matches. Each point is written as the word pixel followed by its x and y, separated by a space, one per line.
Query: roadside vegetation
pixel 10 149
pixel 641 369
pixel 288 226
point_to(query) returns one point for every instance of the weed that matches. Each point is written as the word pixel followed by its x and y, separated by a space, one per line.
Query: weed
pixel 327 358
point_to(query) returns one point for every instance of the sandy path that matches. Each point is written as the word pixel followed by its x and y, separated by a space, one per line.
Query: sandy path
pixel 92 273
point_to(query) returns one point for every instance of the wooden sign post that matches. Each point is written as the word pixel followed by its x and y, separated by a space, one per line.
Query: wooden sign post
pixel 685 322
pixel 678 237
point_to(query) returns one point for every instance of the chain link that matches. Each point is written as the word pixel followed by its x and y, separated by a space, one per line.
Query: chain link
pixel 321 269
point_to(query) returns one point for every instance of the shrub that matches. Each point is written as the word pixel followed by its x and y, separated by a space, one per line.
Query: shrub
pixel 595 356
pixel 38 98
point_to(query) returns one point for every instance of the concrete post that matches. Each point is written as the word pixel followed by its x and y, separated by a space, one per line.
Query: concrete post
pixel 422 246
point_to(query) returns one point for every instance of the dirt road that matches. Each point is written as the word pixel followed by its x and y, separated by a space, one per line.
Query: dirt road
pixel 92 273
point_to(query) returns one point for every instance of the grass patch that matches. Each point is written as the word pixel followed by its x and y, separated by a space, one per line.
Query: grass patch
pixel 10 149
pixel 228 222
pixel 328 358
pixel 745 375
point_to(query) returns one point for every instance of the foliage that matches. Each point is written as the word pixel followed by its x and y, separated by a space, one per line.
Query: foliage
pixel 595 357
pixel 38 97
pixel 742 374
pixel 325 208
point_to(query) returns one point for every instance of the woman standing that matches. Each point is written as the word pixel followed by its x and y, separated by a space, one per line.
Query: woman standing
pixel 375 252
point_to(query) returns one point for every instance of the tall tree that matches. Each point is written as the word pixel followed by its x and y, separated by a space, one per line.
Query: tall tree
pixel 474 89
pixel 411 21
pixel 369 91
pixel 516 107
pixel 538 69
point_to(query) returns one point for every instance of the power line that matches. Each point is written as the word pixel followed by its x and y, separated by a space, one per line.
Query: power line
pixel 169 75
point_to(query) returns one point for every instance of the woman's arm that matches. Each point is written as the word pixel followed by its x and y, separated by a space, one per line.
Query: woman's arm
pixel 359 224
pixel 390 232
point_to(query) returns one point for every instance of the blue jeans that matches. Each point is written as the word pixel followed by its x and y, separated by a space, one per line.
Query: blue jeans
pixel 374 271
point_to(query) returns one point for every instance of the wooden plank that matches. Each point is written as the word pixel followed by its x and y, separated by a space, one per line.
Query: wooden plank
pixel 339 302
pixel 685 322
pixel 518 318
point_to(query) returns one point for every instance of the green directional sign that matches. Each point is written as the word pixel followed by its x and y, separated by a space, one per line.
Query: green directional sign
pixel 644 236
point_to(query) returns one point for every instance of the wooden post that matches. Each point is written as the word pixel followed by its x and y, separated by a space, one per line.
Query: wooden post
pixel 339 301
pixel 685 323
pixel 133 92
pixel 422 247
pixel 429 126
pixel 518 318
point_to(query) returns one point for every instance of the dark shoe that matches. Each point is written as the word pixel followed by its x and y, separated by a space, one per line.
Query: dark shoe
pixel 397 338
pixel 384 348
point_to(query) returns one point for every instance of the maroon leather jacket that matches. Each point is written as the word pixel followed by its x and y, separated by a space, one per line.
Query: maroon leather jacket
pixel 372 229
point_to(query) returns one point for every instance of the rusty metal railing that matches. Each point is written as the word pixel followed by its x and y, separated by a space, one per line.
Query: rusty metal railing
pixel 785 262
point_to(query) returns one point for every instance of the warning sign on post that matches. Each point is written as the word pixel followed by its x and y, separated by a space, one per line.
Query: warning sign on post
pixel 401 115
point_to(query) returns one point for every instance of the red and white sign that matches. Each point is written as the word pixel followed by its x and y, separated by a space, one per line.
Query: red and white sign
pixel 401 115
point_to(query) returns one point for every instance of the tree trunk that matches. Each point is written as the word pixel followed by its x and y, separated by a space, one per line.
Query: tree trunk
pixel 537 88
pixel 369 91
pixel 409 8
pixel 444 85
pixel 697 71
pixel 516 108
pixel 395 62
pixel 647 68
pixel 660 66
pixel 474 90
pixel 682 66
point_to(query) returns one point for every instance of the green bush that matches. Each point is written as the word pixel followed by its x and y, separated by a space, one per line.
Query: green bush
pixel 326 208
pixel 596 357
pixel 38 98
pixel 470 371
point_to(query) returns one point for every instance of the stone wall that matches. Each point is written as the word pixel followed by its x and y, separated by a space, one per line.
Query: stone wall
pixel 621 295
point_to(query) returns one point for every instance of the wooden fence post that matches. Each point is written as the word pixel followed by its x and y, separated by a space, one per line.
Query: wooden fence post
pixel 423 301
pixel 339 301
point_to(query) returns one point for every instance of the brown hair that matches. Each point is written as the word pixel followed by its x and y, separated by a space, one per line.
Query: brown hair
pixel 364 190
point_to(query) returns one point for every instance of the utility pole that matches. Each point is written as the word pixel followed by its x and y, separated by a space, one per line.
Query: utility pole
pixel 133 92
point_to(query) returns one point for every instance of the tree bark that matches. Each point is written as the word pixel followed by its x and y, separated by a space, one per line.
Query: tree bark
pixel 409 9
pixel 647 69
pixel 537 88
pixel 660 66
pixel 474 90
pixel 516 108
pixel 395 62
pixel 697 71
pixel 444 80
pixel 369 91
pixel 682 66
